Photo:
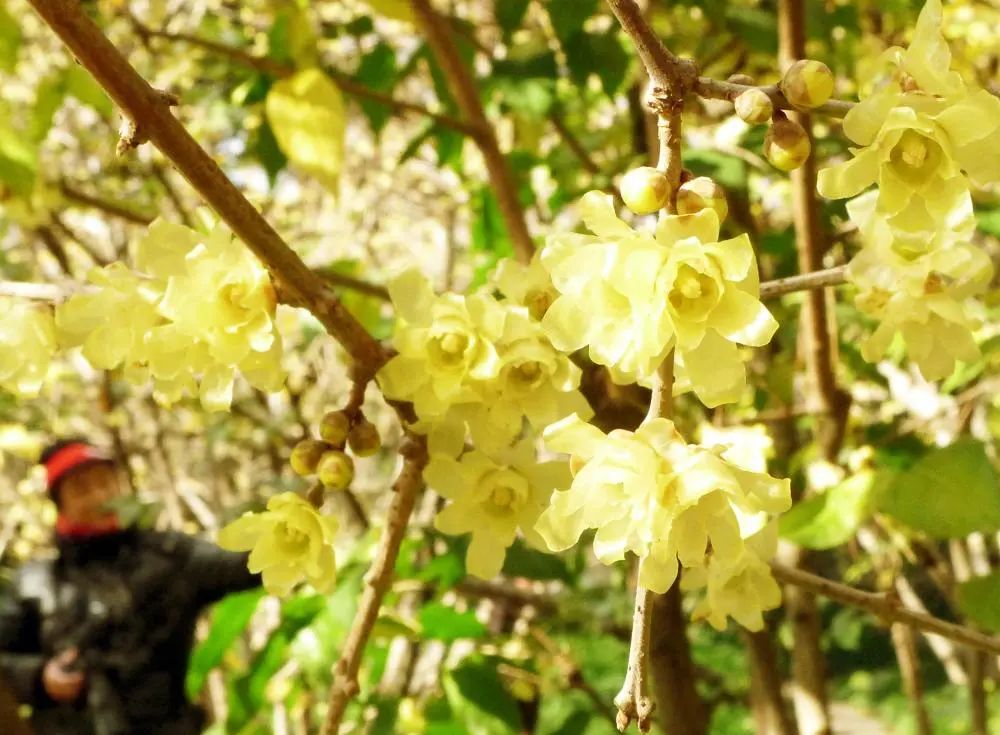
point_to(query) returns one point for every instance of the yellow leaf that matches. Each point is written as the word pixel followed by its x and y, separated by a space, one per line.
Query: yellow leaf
pixel 306 113
pixel 395 9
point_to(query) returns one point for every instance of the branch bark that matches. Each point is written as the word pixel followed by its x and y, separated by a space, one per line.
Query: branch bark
pixel 463 86
pixel 886 607
pixel 406 488
pixel 804 281
pixel 149 112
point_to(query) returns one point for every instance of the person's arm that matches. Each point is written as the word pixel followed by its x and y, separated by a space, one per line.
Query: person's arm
pixel 217 572
pixel 21 659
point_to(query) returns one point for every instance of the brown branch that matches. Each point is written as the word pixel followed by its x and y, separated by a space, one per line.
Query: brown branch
pixel 803 282
pixel 278 69
pixel 377 581
pixel 573 143
pixel 463 86
pixel 149 111
pixel 714 89
pixel 886 607
pixel 113 208
pixel 665 70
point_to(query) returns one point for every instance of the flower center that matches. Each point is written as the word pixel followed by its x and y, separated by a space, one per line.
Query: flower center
pixel 538 302
pixel 449 348
pixel 291 540
pixel 694 294
pixel 914 152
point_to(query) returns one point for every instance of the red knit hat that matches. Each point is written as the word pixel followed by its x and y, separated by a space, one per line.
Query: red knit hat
pixel 69 457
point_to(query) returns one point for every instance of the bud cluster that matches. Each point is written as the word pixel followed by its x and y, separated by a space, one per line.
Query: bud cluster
pixel 325 457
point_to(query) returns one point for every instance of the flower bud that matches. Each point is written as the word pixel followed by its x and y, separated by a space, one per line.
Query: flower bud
pixel 364 440
pixel 786 145
pixel 702 193
pixel 645 190
pixel 335 470
pixel 744 79
pixel 306 455
pixel 334 427
pixel 754 106
pixel 807 83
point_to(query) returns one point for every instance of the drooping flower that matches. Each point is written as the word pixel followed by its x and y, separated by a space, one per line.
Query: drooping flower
pixel 526 285
pixel 651 493
pixel 492 498
pixel 288 543
pixel 741 588
pixel 27 344
pixel 631 296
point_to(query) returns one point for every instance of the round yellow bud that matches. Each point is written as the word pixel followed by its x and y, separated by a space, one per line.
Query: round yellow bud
pixel 335 470
pixel 786 145
pixel 807 83
pixel 334 427
pixel 364 440
pixel 306 455
pixel 645 190
pixel 754 106
pixel 702 193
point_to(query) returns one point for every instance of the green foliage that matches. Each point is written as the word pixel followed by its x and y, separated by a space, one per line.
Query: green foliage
pixel 441 622
pixel 949 493
pixel 229 620
pixel 478 699
pixel 10 40
pixel 977 599
pixel 831 518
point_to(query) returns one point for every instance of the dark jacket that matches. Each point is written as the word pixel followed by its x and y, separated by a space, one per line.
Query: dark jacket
pixel 129 601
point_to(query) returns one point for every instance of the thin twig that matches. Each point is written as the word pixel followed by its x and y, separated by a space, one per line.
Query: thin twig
pixel 463 86
pixel 718 90
pixel 113 208
pixel 803 282
pixel 32 291
pixel 149 111
pixel 278 69
pixel 886 607
pixel 573 143
pixel 377 582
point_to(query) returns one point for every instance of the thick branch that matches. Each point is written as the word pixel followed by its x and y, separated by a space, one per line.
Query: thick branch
pixel 665 70
pixel 463 86
pixel 803 282
pixel 377 581
pixel 886 607
pixel 149 111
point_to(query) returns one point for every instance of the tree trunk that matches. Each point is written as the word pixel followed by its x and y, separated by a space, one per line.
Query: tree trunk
pixel 770 715
pixel 679 708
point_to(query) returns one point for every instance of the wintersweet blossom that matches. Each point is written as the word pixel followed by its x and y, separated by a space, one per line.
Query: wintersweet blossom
pixel 651 493
pixel 445 345
pixel 288 543
pixel 493 497
pixel 632 296
pixel 27 344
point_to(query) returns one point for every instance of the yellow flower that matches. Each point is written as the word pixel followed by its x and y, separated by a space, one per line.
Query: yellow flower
pixel 741 588
pixel 630 296
pixel 27 344
pixel 650 493
pixel 924 295
pixel 445 344
pixel 493 497
pixel 288 543
pixel 526 285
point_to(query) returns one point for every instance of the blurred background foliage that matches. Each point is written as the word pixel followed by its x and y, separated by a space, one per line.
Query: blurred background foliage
pixel 541 650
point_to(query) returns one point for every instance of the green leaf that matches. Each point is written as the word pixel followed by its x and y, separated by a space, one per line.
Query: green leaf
pixel 830 519
pixel 523 561
pixel 80 84
pixel 479 700
pixel 18 161
pixel 601 54
pixel 229 620
pixel 568 16
pixel 10 40
pixel 49 97
pixel 949 493
pixel 448 624
pixel 378 72
pixel 395 9
pixel 264 147
pixel 510 13
pixel 989 220
pixel 306 113
pixel 978 598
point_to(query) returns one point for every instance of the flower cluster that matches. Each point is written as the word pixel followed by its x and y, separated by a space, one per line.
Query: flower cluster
pixel 288 543
pixel 922 135
pixel 633 296
pixel 196 309
pixel 27 343
pixel 671 503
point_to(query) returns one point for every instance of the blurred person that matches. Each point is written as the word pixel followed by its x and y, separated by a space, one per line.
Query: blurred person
pixel 97 640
